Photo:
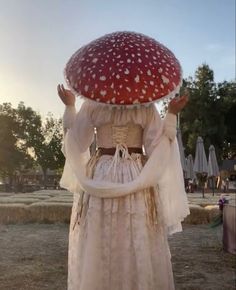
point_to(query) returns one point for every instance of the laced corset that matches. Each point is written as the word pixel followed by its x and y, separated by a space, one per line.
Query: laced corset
pixel 110 135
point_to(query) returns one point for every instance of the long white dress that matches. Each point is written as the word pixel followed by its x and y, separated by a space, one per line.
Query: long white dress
pixel 118 243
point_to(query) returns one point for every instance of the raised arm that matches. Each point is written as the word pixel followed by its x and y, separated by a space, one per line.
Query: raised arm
pixel 78 122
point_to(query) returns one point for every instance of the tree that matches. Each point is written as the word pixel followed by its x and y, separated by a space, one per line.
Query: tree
pixel 227 92
pixel 209 113
pixel 27 140
pixel 13 153
pixel 42 138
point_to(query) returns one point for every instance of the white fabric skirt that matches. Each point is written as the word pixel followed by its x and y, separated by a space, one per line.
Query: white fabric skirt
pixel 114 246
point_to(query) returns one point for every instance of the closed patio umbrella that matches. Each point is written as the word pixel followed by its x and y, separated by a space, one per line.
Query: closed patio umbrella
pixel 200 163
pixel 190 174
pixel 213 168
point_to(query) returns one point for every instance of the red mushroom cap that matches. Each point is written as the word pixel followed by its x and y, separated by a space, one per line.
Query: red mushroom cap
pixel 124 68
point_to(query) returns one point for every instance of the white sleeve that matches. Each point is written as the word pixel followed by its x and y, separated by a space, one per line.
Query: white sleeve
pixel 154 128
pixel 68 117
pixel 79 134
pixel 170 125
pixel 83 127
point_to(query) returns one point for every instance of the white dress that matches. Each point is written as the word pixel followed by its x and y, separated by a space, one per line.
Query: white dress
pixel 118 243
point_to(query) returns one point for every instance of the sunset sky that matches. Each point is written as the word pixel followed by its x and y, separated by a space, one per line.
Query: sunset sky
pixel 39 36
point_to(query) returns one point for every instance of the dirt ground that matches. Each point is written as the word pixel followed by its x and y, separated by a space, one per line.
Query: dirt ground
pixel 34 257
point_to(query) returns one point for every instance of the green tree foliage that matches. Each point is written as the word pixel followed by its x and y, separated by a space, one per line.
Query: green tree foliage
pixel 209 114
pixel 25 138
pixel 13 152
pixel 42 138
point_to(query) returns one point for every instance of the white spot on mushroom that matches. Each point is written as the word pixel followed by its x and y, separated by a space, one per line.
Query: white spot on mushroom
pixel 118 76
pixel 143 91
pixel 86 87
pixel 152 83
pixel 150 99
pixel 165 79
pixel 128 60
pixel 139 60
pixel 149 72
pixel 136 101
pixel 160 70
pixel 96 86
pixel 161 85
pixel 137 79
pixel 94 60
pixel 126 71
pixel 128 89
pixel 103 78
pixel 103 93
pixel 113 100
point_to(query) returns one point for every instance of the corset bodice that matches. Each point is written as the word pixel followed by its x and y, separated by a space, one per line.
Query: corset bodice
pixel 109 135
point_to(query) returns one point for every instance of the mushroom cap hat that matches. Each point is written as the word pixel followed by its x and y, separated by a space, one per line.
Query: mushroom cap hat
pixel 124 68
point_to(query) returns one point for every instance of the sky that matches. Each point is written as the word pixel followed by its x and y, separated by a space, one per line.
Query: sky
pixel 39 36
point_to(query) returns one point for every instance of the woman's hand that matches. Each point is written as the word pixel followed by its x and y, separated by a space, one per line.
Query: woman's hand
pixel 178 103
pixel 67 97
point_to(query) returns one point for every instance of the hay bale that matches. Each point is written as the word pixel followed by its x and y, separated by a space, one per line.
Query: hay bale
pixel 201 215
pixel 49 212
pixel 13 213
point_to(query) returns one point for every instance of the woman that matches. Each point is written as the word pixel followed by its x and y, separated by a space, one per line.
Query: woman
pixel 120 242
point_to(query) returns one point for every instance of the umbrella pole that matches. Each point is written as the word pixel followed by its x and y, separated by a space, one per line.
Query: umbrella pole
pixel 213 186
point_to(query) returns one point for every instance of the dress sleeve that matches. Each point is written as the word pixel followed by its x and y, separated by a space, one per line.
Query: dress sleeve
pixel 68 118
pixel 78 136
pixel 155 127
pixel 80 123
pixel 170 125
pixel 83 127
